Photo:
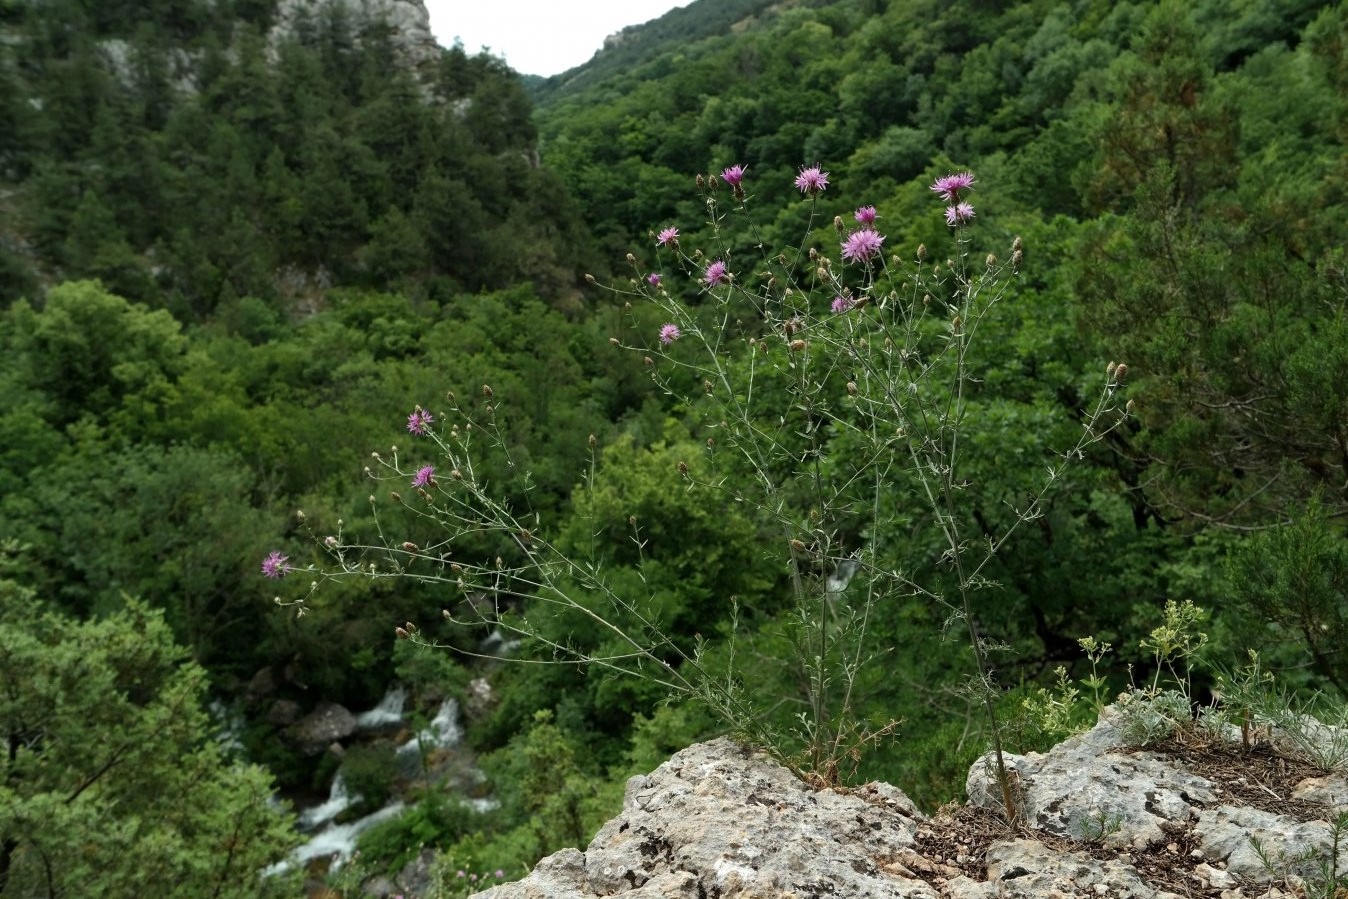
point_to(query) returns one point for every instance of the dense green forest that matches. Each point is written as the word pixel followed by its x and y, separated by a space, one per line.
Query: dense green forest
pixel 237 253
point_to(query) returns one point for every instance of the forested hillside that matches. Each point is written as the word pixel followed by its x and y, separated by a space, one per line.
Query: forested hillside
pixel 242 249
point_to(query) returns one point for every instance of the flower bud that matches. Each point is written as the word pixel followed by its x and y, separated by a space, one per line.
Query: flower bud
pixel 444 613
pixel 711 442
pixel 593 441
pixel 851 388
pixel 921 252
pixel 526 535
pixel 631 521
pixel 991 260
pixel 706 385
pixel 402 634
pixel 1121 372
pixel 487 391
pixel 701 182
pixel 615 341
pixel 1017 259
pixel 410 546
pixel 455 474
pixel 1018 245
pixel 683 467
pixel 397 497
pixel 589 277
pixel 838 224
pixel 1109 370
pixel 631 259
pixel 797 545
pixel 648 360
pixel 1129 408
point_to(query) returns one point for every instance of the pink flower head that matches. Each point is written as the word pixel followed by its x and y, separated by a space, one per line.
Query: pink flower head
pixel 862 244
pixel 949 187
pixel 275 565
pixel 653 279
pixel 958 214
pixel 716 274
pixel 667 237
pixel 866 215
pixel 812 181
pixel 425 477
pixel 733 175
pixel 419 421
pixel 499 873
pixel 841 304
pixel 669 333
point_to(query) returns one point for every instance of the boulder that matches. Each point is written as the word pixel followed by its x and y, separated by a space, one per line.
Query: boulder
pixel 326 724
pixel 1097 818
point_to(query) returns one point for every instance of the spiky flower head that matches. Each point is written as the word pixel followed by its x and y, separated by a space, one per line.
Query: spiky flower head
pixel 653 279
pixel 419 421
pixel 841 304
pixel 733 175
pixel 865 215
pixel 275 565
pixel 716 274
pixel 667 236
pixel 958 214
pixel 669 333
pixel 425 476
pixel 949 187
pixel 812 181
pixel 862 244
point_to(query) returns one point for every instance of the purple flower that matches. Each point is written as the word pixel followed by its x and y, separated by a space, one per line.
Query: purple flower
pixel 733 175
pixel 419 421
pixel 667 237
pixel 460 873
pixel 425 476
pixel 669 333
pixel 275 565
pixel 716 274
pixel 653 279
pixel 811 180
pixel 862 244
pixel 499 873
pixel 948 188
pixel 866 215
pixel 958 214
pixel 841 304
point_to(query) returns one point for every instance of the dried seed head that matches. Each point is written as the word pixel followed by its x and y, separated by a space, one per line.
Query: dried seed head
pixel 991 260
pixel 712 182
pixel 711 442
pixel 397 497
pixel 401 634
pixel 1109 370
pixel 593 441
pixel 487 391
pixel 526 535
pixel 814 253
pixel 797 345
pixel 1017 259
pixel 851 388
pixel 797 545
pixel 1017 245
pixel 1121 372
pixel 821 273
pixel 683 467
pixel 706 385
pixel 648 360
pixel 455 474
pixel 410 546
pixel 1129 408
pixel 701 182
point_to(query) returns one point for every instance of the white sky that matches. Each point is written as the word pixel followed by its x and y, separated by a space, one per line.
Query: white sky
pixel 539 37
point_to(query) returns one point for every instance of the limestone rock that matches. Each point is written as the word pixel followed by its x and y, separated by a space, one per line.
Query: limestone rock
pixel 324 725
pixel 716 820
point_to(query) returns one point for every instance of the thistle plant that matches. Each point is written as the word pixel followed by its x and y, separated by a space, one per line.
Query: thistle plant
pixel 831 384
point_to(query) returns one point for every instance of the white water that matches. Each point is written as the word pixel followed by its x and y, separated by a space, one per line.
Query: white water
pixel 339 840
pixel 388 713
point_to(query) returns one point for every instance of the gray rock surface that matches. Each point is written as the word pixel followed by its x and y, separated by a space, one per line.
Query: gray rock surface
pixel 1100 820
pixel 326 724
pixel 409 23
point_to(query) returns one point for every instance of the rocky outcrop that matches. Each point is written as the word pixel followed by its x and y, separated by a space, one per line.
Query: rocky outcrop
pixel 1099 819
pixel 322 727
pixel 408 23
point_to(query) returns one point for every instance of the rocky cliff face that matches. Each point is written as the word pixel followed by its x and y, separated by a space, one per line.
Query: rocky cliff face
pixel 1100 820
pixel 408 21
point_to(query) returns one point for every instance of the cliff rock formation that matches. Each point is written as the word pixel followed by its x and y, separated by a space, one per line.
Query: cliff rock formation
pixel 1202 818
